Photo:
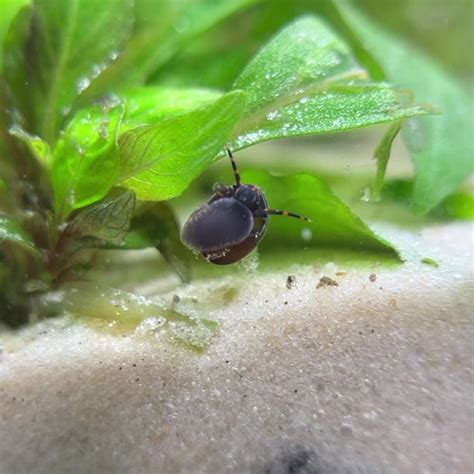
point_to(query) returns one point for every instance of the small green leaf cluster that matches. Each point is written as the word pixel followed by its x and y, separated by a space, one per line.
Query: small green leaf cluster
pixel 104 118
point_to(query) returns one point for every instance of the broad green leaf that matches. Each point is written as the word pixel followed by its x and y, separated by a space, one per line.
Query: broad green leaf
pixel 334 107
pixel 301 54
pixel 154 225
pixel 147 105
pixel 305 81
pixel 441 147
pixel 107 220
pixel 71 42
pixel 9 9
pixel 158 162
pixel 85 160
pixel 36 145
pixel 333 223
pixel 382 155
pixel 12 232
pixel 159 32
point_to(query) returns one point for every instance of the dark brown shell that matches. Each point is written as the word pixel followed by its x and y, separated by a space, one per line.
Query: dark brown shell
pixel 238 252
pixel 217 225
pixel 224 229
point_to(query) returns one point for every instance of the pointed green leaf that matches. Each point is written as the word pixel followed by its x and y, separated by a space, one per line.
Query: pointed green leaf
pixel 158 162
pixel 382 155
pixel 305 81
pixel 333 223
pixel 301 54
pixel 85 160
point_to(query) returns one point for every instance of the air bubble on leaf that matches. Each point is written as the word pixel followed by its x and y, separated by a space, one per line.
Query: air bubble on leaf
pixel 82 84
pixel 306 234
pixel 337 123
pixel 252 137
pixel 113 55
pixel 97 69
pixel 272 115
pixel 65 110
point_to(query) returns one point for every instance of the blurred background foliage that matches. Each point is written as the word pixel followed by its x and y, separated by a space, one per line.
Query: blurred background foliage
pixel 442 29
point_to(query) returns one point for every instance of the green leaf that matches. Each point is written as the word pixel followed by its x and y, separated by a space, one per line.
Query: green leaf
pixel 12 232
pixel 154 225
pixel 147 105
pixel 441 147
pixel 85 160
pixel 333 108
pixel 36 145
pixel 107 220
pixel 158 162
pixel 159 32
pixel 303 53
pixel 9 10
pixel 70 42
pixel 382 155
pixel 333 223
pixel 305 81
